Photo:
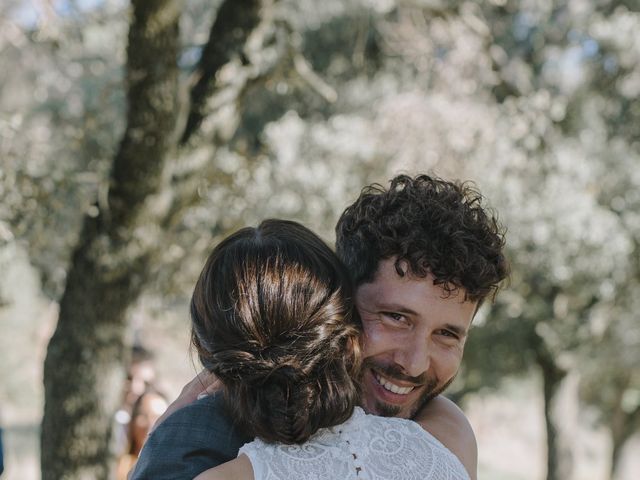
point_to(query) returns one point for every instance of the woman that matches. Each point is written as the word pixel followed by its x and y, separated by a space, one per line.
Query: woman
pixel 146 410
pixel 273 319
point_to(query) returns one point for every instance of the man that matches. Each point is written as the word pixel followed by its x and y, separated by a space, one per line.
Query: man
pixel 423 255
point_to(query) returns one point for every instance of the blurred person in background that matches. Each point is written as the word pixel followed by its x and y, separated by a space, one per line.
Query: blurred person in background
pixel 141 376
pixel 423 255
pixel 145 412
pixel 138 390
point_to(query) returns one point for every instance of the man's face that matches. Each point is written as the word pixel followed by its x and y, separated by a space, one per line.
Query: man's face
pixel 414 336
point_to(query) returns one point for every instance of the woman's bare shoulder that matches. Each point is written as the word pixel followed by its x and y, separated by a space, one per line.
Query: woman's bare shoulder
pixel 237 469
pixel 444 420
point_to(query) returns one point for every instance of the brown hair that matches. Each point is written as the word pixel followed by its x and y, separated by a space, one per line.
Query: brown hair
pixel 272 316
pixel 435 226
pixel 136 444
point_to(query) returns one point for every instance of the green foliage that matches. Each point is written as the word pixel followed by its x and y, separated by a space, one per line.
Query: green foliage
pixel 534 100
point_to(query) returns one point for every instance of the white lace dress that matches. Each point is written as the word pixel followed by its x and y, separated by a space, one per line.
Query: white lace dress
pixel 364 447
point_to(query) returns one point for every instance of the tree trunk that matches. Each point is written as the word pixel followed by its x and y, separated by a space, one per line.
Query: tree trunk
pixel 116 249
pixel 559 456
pixel 84 365
pixel 622 428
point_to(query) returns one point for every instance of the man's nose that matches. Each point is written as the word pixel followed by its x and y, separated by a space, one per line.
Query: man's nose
pixel 413 356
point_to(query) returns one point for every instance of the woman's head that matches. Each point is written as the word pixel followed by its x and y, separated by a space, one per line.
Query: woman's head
pixel 272 317
pixel 146 410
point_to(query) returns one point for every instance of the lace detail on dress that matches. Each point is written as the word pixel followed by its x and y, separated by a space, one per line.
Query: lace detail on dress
pixel 365 447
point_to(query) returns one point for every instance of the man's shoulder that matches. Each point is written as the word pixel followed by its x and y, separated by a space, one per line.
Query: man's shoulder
pixel 192 439
pixel 201 414
pixel 445 421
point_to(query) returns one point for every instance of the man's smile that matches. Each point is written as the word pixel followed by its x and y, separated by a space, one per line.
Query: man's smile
pixel 390 386
pixel 389 391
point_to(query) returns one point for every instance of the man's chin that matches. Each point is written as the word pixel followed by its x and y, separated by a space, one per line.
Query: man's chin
pixel 381 408
pixel 386 410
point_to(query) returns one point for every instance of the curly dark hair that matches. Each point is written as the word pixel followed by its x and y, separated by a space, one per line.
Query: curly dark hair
pixel 436 226
pixel 272 316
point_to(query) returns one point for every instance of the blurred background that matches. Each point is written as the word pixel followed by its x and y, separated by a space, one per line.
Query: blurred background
pixel 134 135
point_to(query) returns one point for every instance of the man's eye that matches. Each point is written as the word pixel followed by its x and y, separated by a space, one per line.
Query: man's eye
pixel 449 333
pixel 396 317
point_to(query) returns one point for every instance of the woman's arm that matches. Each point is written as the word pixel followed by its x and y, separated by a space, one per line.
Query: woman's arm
pixel 237 469
pixel 205 383
pixel 444 420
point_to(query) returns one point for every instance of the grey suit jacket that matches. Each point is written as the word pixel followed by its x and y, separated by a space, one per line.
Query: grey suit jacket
pixel 191 440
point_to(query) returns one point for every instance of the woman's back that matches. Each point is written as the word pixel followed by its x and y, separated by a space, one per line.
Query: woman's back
pixel 364 447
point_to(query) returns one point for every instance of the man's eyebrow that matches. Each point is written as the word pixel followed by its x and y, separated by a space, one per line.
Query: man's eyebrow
pixel 392 307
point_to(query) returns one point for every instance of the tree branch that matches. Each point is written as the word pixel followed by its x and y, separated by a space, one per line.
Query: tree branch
pixel 152 81
pixel 235 21
pixel 265 49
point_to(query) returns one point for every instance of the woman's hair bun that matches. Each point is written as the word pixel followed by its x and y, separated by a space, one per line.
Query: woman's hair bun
pixel 254 369
pixel 273 318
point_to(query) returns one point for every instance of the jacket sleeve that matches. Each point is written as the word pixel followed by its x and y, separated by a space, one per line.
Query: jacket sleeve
pixel 191 440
